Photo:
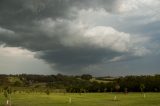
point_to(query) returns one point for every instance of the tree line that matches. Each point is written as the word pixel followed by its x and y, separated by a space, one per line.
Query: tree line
pixel 83 83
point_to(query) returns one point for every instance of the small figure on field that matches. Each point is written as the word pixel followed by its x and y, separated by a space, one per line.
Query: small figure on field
pixel 7 94
pixel 70 100
pixel 115 98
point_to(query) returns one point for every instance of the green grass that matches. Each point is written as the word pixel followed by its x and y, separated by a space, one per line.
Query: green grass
pixel 88 99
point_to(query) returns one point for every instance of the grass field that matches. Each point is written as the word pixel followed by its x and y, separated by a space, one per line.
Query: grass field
pixel 87 99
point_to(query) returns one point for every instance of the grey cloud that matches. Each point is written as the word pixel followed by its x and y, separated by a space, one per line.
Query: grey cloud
pixel 67 59
pixel 24 12
pixel 49 28
pixel 22 18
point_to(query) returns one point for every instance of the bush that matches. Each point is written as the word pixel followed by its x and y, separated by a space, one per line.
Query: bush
pixel 47 92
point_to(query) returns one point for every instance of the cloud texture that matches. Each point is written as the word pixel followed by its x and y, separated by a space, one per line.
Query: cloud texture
pixel 77 35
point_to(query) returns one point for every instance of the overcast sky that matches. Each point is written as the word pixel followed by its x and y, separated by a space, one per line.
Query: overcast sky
pixel 98 37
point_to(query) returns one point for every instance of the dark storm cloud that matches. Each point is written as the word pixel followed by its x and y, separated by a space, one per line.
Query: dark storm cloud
pixel 23 12
pixel 75 58
pixel 19 28
pixel 49 28
pixel 20 15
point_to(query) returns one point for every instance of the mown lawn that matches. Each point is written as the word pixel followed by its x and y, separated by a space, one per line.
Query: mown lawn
pixel 87 99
